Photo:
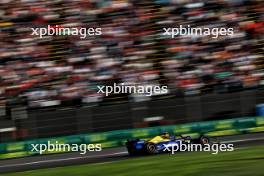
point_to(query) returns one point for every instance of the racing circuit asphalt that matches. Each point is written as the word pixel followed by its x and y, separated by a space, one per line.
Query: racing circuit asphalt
pixel 104 156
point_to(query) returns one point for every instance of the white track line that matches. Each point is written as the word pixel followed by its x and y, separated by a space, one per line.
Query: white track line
pixel 63 159
pixel 244 140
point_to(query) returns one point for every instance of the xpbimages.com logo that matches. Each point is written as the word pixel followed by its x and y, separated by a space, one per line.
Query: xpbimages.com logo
pixel 129 88
pixel 57 147
pixel 197 31
pixel 189 147
pixel 60 30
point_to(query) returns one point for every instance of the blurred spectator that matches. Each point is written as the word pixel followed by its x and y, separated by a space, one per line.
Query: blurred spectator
pixel 57 69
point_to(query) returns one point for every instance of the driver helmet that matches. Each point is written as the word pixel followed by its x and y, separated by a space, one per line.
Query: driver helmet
pixel 166 135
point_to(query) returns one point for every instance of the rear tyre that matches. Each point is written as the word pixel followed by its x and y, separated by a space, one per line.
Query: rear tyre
pixel 131 151
pixel 204 140
pixel 130 144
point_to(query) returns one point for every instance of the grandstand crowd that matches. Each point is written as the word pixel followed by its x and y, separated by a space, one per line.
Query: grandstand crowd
pixel 54 70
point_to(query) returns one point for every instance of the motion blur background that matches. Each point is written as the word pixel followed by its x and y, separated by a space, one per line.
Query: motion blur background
pixel 48 86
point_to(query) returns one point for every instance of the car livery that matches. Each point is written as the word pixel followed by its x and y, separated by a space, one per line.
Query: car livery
pixel 159 144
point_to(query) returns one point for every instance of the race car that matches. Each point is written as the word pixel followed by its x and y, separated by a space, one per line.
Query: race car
pixel 159 144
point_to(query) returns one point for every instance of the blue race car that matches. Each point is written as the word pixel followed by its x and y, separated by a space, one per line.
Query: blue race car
pixel 160 144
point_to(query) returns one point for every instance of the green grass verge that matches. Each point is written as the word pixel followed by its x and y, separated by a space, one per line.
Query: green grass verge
pixel 243 162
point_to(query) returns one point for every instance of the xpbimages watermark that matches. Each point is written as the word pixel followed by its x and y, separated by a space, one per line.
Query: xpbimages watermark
pixel 59 30
pixel 189 147
pixel 197 31
pixel 57 147
pixel 147 90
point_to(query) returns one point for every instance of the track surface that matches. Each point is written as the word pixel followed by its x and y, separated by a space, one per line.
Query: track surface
pixel 107 155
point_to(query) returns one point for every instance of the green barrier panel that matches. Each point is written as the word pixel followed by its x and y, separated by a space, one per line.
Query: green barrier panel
pixel 74 140
pixel 111 144
pixel 182 129
pixel 14 155
pixel 224 125
pixel 124 134
pixel 141 133
pixel 256 129
pixel 86 139
pixel 15 147
pixel 260 121
pixel 195 127
pixel 207 127
pixel 223 133
pixel 2 148
pixel 246 123
pixel 95 138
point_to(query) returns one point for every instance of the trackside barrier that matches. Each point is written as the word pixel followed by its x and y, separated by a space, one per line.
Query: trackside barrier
pixel 118 138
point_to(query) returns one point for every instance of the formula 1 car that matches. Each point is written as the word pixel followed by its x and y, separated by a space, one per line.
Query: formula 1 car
pixel 159 144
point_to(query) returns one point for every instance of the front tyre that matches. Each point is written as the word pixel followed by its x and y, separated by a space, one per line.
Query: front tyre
pixel 151 148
